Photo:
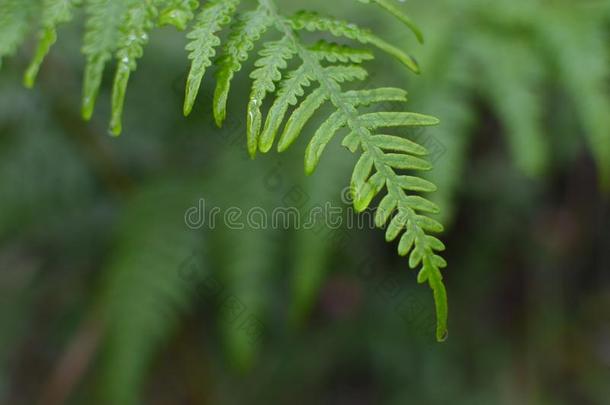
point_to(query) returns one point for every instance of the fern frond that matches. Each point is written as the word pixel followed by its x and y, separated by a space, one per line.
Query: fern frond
pixel 293 88
pixel 320 75
pixel 310 21
pixel 101 39
pixel 139 21
pixel 274 57
pixel 15 22
pixel 214 15
pixel 332 52
pixel 246 32
pixel 368 97
pixel 401 15
pixel 411 216
pixel 177 13
pixel 321 138
pixel 300 117
pixel 54 12
pixel 386 155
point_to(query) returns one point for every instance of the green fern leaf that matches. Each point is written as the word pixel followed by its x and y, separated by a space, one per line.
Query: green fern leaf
pixel 214 15
pixel 246 32
pixel 310 21
pixel 394 119
pixel 385 166
pixel 300 117
pixel 292 88
pixel 134 35
pixel 332 52
pixel 54 12
pixel 412 210
pixel 177 13
pixel 15 22
pixel 347 73
pixel 321 138
pixel 100 43
pixel 396 12
pixel 395 143
pixel 273 60
pixel 368 97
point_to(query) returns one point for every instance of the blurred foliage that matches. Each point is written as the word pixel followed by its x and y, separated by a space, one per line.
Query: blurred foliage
pixel 106 296
pixel 118 31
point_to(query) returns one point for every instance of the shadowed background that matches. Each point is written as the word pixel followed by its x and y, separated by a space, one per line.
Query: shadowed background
pixel 107 296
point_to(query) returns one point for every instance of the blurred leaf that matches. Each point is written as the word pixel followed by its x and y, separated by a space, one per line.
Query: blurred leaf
pixel 146 288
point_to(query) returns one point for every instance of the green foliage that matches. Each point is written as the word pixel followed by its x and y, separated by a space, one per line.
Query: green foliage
pixel 582 42
pixel 246 276
pixel 315 248
pixel 518 106
pixel 100 42
pixel 132 38
pixel 122 28
pixel 34 188
pixel 314 22
pixel 245 33
pixel 519 59
pixel 15 21
pixel 54 12
pixel 273 60
pixel 204 40
pixel 177 13
pixel 143 294
pixel 514 82
pixel 398 13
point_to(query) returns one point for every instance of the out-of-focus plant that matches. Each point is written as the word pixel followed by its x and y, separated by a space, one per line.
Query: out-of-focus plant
pixel 491 68
pixel 122 28
pixel 540 68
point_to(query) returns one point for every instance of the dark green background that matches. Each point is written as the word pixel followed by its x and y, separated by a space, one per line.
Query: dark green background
pixel 107 297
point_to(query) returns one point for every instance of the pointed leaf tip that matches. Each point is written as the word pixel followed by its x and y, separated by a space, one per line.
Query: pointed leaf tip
pixel 442 334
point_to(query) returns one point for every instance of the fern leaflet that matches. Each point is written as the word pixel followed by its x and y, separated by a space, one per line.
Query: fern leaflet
pixel 134 35
pixel 54 12
pixel 396 12
pixel 247 30
pixel 177 13
pixel 15 20
pixel 203 38
pixel 100 43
